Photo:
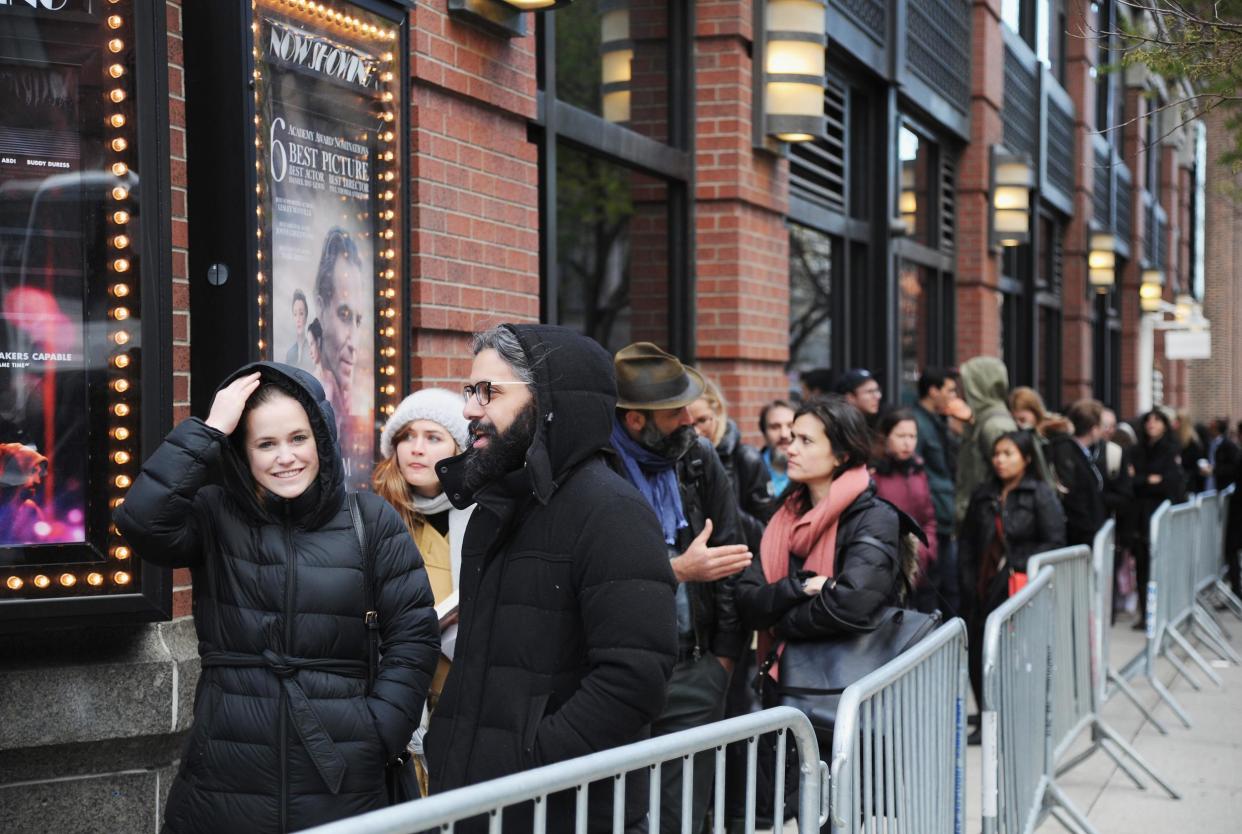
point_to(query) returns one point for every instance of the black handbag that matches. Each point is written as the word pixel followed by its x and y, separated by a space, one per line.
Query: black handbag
pixel 400 777
pixel 814 673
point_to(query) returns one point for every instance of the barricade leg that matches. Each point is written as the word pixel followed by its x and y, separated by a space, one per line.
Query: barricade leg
pixel 1194 656
pixel 1210 633
pixel 1231 600
pixel 1111 738
pixel 1167 697
pixel 1062 809
pixel 1125 689
pixel 1180 668
pixel 1218 626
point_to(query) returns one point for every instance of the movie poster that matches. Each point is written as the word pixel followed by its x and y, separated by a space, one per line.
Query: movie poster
pixel 319 122
pixel 43 273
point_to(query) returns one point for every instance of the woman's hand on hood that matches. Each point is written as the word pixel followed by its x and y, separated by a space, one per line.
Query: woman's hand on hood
pixel 230 402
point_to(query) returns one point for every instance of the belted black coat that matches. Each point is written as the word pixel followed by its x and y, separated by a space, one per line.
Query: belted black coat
pixel 568 628
pixel 285 734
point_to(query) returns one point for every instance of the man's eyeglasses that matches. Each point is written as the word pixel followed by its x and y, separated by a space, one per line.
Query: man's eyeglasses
pixel 482 391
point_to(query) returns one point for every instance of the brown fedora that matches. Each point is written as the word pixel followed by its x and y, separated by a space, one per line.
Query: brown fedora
pixel 650 379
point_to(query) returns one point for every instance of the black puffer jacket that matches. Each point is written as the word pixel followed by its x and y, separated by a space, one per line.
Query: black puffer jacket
pixel 285 735
pixel 1032 519
pixel 866 577
pixel 1162 459
pixel 568 630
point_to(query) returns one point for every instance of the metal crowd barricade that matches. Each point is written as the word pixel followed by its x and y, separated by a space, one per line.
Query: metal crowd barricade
pixel 1206 574
pixel 1075 703
pixel 1107 679
pixel 489 799
pixel 897 745
pixel 1019 786
pixel 1170 592
pixel 1222 589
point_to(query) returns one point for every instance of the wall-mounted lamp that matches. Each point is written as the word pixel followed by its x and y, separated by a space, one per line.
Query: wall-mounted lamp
pixel 617 59
pixel 501 17
pixel 789 45
pixel 1102 262
pixel 1184 308
pixel 1151 291
pixel 908 199
pixel 1012 181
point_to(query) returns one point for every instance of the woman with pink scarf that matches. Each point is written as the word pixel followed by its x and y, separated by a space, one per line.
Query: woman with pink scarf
pixel 829 561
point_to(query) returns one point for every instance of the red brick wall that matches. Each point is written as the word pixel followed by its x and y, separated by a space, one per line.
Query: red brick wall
pixel 741 246
pixel 180 256
pixel 474 216
pixel 978 266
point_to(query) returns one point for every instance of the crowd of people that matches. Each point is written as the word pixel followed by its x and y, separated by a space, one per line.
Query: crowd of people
pixel 578 551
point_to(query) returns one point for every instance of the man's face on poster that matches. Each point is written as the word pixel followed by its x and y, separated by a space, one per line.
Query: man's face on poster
pixel 341 317
pixel 299 318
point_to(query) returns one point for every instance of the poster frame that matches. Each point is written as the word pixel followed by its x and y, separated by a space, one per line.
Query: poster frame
pixel 152 600
pixel 220 70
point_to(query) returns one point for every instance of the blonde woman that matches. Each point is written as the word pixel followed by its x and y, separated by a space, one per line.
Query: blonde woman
pixel 426 428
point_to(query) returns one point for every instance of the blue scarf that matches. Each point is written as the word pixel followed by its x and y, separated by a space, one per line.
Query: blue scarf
pixel 655 478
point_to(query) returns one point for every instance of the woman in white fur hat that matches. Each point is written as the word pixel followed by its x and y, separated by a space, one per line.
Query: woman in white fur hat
pixel 427 427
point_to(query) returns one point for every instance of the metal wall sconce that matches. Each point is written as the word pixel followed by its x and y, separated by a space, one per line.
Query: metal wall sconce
pixel 1184 308
pixel 617 54
pixel 908 199
pixel 501 17
pixel 1151 291
pixel 1102 262
pixel 789 69
pixel 1012 180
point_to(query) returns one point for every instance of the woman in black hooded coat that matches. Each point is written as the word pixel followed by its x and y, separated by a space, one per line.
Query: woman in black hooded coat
pixel 1158 477
pixel 289 732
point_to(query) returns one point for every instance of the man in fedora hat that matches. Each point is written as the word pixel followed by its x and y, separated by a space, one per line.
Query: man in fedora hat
pixel 680 476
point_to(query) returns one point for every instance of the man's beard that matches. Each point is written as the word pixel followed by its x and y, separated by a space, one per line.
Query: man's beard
pixel 778 458
pixel 671 446
pixel 503 453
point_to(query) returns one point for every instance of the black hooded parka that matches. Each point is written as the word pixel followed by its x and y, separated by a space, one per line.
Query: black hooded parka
pixel 285 734
pixel 568 628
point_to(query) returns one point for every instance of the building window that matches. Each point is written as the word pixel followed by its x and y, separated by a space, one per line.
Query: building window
pixel 612 250
pixel 615 215
pixel 813 270
pixel 1043 25
pixel 915 189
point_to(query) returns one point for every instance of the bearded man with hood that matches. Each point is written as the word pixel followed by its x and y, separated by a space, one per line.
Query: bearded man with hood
pixel 985 384
pixel 568 629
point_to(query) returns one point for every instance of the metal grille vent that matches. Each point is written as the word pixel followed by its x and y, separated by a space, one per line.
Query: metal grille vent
pixel 1060 148
pixel 817 169
pixel 871 15
pixel 948 202
pixel 1021 114
pixel 1101 194
pixel 1125 196
pixel 938 47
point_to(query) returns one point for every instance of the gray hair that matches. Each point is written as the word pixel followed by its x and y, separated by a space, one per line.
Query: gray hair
pixel 502 340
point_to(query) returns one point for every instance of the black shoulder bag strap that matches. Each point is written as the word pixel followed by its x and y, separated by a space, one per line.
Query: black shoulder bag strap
pixel 371 616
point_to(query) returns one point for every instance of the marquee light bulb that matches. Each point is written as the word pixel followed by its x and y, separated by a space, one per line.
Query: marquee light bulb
pixel 120 217
pixel 120 290
pixel 120 433
pixel 116 70
pixel 121 577
pixel 121 386
pixel 116 45
pixel 122 481
pixel 120 169
pixel 120 410
pixel 114 21
pixel 42 581
pixel 121 361
pixel 121 338
pixel 120 265
pixel 68 580
pixel 15 583
pixel 120 192
pixel 120 241
pixel 117 95
pixel 119 144
pixel 94 579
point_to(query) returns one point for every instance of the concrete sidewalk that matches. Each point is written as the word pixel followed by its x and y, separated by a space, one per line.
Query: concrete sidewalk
pixel 1204 762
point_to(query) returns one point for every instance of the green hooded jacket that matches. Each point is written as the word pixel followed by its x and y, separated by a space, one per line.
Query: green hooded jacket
pixel 985 384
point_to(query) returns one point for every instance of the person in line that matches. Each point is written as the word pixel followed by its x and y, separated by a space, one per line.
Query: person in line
pixel 776 423
pixel 743 464
pixel 1012 516
pixel 568 622
pixel 937 448
pixel 815 383
pixel 862 390
pixel 1158 477
pixel 1082 483
pixel 426 428
pixel 1030 413
pixel 1193 440
pixel 985 383
pixel 1233 524
pixel 1113 462
pixel 830 560
pixel 687 487
pixel 1223 456
pixel 289 731
pixel 901 479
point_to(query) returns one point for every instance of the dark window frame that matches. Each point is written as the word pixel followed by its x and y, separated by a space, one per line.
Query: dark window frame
pixel 558 121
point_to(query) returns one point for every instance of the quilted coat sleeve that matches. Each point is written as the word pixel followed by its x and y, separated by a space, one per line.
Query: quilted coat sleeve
pixel 409 630
pixel 867 581
pixel 629 628
pixel 760 603
pixel 160 517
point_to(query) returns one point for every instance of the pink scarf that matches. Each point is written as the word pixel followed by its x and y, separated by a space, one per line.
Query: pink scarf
pixel 811 536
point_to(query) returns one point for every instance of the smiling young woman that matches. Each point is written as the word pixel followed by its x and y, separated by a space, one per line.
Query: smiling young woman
pixel 253 500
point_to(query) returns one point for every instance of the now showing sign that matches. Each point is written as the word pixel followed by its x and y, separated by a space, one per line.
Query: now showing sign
pixel 1188 344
